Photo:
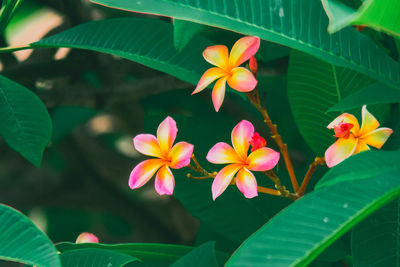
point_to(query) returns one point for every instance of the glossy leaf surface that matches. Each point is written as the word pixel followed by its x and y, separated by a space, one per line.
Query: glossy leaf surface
pixel 299 24
pixel 24 121
pixel 304 229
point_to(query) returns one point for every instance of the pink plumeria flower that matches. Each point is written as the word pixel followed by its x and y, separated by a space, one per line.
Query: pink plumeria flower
pixel 352 139
pixel 262 159
pixel 87 238
pixel 167 156
pixel 227 68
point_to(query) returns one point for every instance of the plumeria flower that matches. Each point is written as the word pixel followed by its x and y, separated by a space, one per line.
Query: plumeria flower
pixel 166 157
pixel 261 159
pixel 227 68
pixel 87 238
pixel 351 139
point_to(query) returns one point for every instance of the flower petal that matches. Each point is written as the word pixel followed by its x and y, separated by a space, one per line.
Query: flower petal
pixel 218 93
pixel 262 159
pixel 147 144
pixel 217 55
pixel 340 150
pixel 222 153
pixel 242 80
pixel 346 118
pixel 165 181
pixel 243 50
pixel 143 172
pixel 180 155
pixel 247 183
pixel 241 136
pixel 166 134
pixel 208 77
pixel 378 137
pixel 223 179
pixel 361 146
pixel 369 123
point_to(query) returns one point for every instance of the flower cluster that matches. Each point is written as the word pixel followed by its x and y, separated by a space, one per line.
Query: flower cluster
pixel 351 138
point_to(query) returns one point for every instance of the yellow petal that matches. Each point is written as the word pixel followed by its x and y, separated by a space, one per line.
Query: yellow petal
pixel 208 77
pixel 218 93
pixel 369 123
pixel 242 80
pixel 241 137
pixel 217 55
pixel 243 50
pixel 361 146
pixel 378 137
pixel 166 134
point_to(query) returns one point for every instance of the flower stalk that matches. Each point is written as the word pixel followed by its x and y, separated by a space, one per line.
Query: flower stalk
pixel 313 166
pixel 254 98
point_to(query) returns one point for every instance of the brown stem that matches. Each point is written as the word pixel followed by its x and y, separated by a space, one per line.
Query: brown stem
pixel 313 166
pixel 268 191
pixel 281 190
pixel 254 98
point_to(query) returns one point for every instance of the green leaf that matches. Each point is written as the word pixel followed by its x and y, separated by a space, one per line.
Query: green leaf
pixel 377 14
pixel 146 41
pixel 313 87
pixel 375 93
pixel 67 118
pixel 22 241
pixel 7 11
pixel 90 257
pixel 376 240
pixel 185 31
pixel 24 121
pixel 203 255
pixel 303 230
pixel 353 169
pixel 295 23
pixel 146 252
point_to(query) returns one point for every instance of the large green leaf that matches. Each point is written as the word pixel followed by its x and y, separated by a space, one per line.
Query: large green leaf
pixel 304 229
pixel 313 87
pixel 376 240
pixel 22 241
pixel 24 121
pixel 295 23
pixel 382 15
pixel 375 93
pixel 146 252
pixel 157 254
pixel 203 255
pixel 185 31
pixel 90 257
pixel 146 41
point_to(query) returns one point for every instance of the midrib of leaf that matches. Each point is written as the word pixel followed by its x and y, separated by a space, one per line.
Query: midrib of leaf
pixel 336 83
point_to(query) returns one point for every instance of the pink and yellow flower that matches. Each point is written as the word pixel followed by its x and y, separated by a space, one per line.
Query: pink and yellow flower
pixel 227 68
pixel 87 238
pixel 352 139
pixel 240 164
pixel 166 157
